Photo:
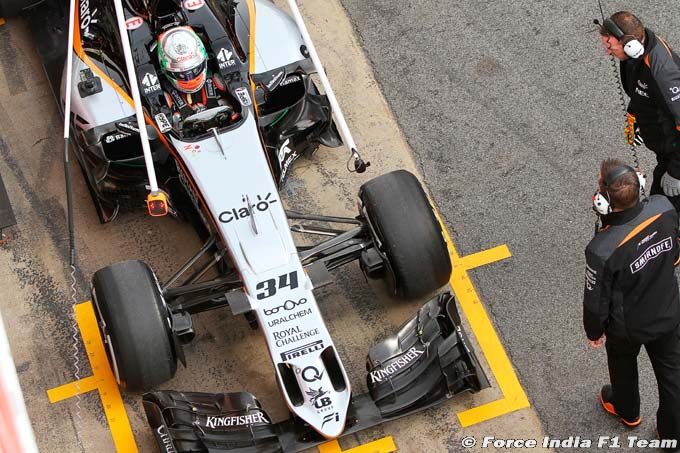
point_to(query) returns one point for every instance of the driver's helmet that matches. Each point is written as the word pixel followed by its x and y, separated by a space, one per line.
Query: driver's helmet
pixel 183 58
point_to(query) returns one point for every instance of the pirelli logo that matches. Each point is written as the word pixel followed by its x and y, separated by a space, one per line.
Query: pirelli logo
pixel 653 251
pixel 302 350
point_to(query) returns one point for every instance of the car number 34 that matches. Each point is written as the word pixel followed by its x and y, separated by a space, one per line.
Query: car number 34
pixel 269 287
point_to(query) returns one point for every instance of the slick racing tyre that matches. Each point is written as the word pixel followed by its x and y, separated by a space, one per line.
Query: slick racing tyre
pixel 135 324
pixel 407 234
pixel 12 8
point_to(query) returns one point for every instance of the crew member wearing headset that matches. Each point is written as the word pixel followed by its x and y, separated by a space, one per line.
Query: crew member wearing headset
pixel 631 295
pixel 650 72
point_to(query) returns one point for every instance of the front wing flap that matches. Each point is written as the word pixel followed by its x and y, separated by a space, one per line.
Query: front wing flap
pixel 427 362
pixel 209 422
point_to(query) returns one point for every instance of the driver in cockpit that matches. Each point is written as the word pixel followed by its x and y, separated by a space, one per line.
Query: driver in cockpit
pixel 184 62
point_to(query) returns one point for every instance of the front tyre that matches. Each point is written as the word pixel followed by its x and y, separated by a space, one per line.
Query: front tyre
pixel 407 234
pixel 135 324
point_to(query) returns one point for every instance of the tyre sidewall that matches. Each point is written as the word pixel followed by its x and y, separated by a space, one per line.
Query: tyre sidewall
pixel 411 240
pixel 136 323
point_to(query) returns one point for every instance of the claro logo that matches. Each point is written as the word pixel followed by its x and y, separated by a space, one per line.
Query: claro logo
pixel 262 204
pixel 87 18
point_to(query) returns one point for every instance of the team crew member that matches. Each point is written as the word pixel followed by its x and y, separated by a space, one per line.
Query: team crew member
pixel 650 72
pixel 631 295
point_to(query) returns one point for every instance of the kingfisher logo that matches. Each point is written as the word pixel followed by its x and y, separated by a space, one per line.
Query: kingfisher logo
pixel 87 18
pixel 237 420
pixel 396 366
pixel 276 80
pixel 652 252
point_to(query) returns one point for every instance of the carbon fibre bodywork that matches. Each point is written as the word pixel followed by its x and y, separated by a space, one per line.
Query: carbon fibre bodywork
pixel 189 421
pixel 427 362
pixel 431 347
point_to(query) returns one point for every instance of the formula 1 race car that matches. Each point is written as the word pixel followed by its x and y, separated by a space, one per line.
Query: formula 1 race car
pixel 222 151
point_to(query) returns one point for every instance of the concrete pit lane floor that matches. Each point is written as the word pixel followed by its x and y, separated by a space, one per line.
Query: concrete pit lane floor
pixel 509 107
pixel 226 355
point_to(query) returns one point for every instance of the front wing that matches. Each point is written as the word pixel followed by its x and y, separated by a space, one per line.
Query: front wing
pixel 427 362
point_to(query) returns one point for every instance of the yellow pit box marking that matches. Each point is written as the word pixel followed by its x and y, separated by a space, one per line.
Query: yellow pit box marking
pixel 102 380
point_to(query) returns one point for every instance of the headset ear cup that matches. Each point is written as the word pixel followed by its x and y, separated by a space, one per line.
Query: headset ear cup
pixel 634 48
pixel 642 179
pixel 601 204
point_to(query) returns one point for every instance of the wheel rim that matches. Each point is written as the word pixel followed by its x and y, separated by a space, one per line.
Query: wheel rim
pixel 379 243
pixel 111 353
pixel 112 359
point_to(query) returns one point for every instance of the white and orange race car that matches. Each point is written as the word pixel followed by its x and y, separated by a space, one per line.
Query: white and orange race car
pixel 220 166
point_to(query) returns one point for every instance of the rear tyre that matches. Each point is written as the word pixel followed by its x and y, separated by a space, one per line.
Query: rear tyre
pixel 135 324
pixel 407 234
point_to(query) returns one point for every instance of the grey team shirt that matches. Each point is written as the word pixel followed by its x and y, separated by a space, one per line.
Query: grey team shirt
pixel 653 84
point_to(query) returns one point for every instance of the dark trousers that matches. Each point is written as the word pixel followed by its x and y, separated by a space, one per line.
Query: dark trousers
pixel 662 159
pixel 664 353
